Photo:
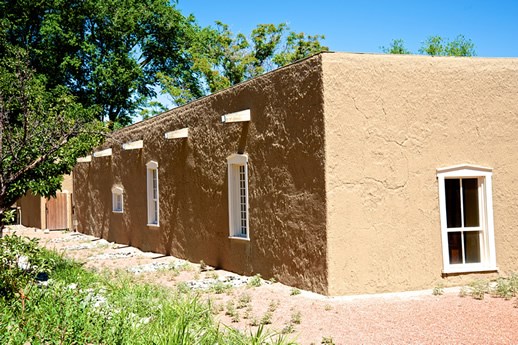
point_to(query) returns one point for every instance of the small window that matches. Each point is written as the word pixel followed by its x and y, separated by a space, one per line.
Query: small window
pixel 238 196
pixel 466 207
pixel 117 199
pixel 152 193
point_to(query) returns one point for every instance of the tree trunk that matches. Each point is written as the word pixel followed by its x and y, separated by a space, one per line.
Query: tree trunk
pixel 2 223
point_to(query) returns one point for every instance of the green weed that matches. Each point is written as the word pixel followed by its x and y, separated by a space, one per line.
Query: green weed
pixel 254 281
pixel 294 292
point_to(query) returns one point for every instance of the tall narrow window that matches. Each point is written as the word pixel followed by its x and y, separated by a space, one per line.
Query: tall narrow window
pixel 117 199
pixel 152 193
pixel 466 219
pixel 238 195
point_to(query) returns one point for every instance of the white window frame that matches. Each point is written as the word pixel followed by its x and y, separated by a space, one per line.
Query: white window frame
pixel 238 204
pixel 117 194
pixel 153 204
pixel 485 193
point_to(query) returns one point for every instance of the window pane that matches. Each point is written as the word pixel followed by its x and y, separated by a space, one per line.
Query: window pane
pixel 242 199
pixel 452 203
pixel 455 247
pixel 470 198
pixel 472 246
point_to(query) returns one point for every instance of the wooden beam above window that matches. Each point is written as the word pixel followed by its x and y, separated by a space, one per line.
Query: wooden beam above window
pixel 103 153
pixel 179 133
pixel 133 145
pixel 85 159
pixel 240 116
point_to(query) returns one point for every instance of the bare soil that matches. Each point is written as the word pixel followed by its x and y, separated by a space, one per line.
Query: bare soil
pixel 398 318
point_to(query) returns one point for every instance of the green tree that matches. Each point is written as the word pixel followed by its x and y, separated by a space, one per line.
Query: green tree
pixel 42 131
pixel 396 46
pixel 460 46
pixel 222 59
pixel 436 46
pixel 106 52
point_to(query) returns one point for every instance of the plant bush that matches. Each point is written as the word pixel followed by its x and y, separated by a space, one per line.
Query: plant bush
pixel 21 260
pixel 78 306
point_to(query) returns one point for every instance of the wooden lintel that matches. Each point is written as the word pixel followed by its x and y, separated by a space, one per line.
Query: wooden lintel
pixel 133 145
pixel 179 133
pixel 85 159
pixel 240 116
pixel 103 153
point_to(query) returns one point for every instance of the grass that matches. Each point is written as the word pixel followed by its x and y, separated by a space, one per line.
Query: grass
pixel 507 287
pixel 243 301
pixel 81 307
pixel 438 290
pixel 503 287
pixel 254 281
pixel 294 292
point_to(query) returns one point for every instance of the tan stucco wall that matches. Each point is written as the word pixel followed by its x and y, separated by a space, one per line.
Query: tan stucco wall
pixel 390 122
pixel 285 144
pixel 33 210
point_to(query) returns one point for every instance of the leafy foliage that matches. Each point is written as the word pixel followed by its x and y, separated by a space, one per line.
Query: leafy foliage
pixel 115 54
pixel 20 262
pixel 397 46
pixel 439 46
pixel 435 46
pixel 221 58
pixel 80 307
pixel 42 131
pixel 107 53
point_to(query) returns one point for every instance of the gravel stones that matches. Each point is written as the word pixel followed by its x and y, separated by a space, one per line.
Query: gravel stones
pixel 112 256
pixel 157 266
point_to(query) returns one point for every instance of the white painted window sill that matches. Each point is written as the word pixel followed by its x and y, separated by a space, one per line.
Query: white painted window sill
pixel 154 225
pixel 469 269
pixel 239 238
pixel 117 211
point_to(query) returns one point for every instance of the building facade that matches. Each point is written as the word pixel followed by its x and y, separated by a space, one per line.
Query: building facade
pixel 340 174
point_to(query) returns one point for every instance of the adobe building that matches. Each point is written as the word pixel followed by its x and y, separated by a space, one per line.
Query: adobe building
pixel 52 213
pixel 340 174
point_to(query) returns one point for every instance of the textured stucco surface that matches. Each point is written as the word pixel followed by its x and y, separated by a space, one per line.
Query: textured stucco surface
pixel 33 207
pixel 343 151
pixel 33 210
pixel 285 144
pixel 390 122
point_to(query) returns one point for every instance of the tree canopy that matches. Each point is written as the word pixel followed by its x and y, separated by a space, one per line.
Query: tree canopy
pixel 106 53
pixel 116 54
pixel 69 68
pixel 222 59
pixel 435 46
pixel 42 131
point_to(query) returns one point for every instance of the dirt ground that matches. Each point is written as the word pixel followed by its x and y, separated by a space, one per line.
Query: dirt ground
pixel 401 318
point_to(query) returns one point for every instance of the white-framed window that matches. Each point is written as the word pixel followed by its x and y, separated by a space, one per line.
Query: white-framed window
pixel 466 208
pixel 117 199
pixel 152 194
pixel 238 196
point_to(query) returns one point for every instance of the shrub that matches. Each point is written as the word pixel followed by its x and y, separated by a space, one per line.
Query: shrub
pixel 438 290
pixel 254 281
pixel 8 216
pixel 294 292
pixel 267 318
pixel 296 318
pixel 243 301
pixel 81 307
pixel 479 288
pixel 507 287
pixel 463 292
pixel 219 287
pixel 21 260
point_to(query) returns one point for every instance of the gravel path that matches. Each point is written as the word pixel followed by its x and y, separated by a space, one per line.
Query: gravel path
pixel 402 318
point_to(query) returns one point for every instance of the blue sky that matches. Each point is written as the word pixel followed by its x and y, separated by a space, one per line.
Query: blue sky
pixel 364 26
